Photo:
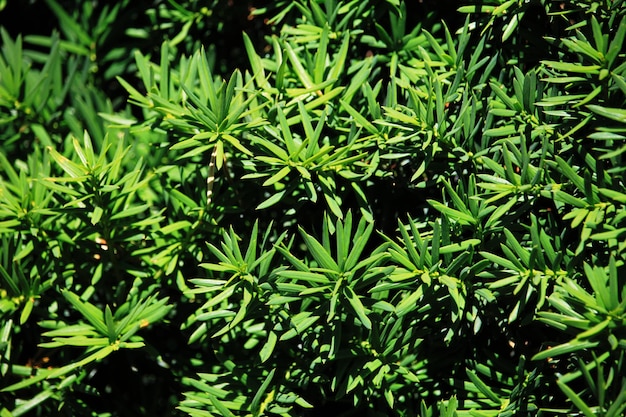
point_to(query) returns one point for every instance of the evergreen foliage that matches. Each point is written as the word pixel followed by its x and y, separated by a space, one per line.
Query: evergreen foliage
pixel 313 207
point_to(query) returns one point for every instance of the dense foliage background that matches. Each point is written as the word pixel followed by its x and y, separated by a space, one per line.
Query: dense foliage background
pixel 303 208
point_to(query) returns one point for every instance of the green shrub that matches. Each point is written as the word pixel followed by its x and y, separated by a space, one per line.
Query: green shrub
pixel 354 208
